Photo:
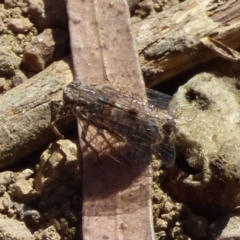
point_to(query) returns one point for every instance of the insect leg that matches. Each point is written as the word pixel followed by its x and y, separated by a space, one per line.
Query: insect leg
pixel 83 136
pixel 57 122
pixel 101 132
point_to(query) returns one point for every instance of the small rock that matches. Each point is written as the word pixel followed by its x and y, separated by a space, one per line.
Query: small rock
pixel 9 4
pixel 2 84
pixel 21 187
pixel 132 4
pixel 160 225
pixel 20 209
pixel 20 36
pixel 37 13
pixel 226 228
pixel 158 195
pixel 147 5
pixel 12 229
pixel 23 190
pixel 48 14
pixel 196 226
pixel 6 178
pixel 50 234
pixel 171 217
pixel 168 207
pixel 27 214
pixel 5 203
pixel 11 213
pixel 25 174
pixel 9 61
pixel 47 47
pixel 176 232
pixel 54 222
pixel 19 25
pixel 32 217
pixel 63 151
pixel 64 226
pixel 18 50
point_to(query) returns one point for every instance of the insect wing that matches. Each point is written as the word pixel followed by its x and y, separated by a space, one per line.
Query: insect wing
pixel 158 100
pixel 157 105
pixel 170 108
pixel 182 111
pixel 126 125
pixel 120 134
pixel 154 105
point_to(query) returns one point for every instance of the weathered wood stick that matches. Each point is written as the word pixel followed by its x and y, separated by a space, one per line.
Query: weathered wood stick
pixel 169 43
pixel 27 111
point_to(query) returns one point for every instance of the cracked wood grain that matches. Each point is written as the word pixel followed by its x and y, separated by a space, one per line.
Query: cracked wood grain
pixel 27 112
pixel 169 42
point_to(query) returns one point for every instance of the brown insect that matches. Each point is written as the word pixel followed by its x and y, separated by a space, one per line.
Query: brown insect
pixel 123 118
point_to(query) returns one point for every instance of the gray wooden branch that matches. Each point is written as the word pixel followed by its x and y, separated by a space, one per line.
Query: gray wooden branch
pixel 169 43
pixel 26 112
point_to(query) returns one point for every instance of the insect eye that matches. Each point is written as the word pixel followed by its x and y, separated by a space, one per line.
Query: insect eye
pixel 67 97
pixel 71 93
